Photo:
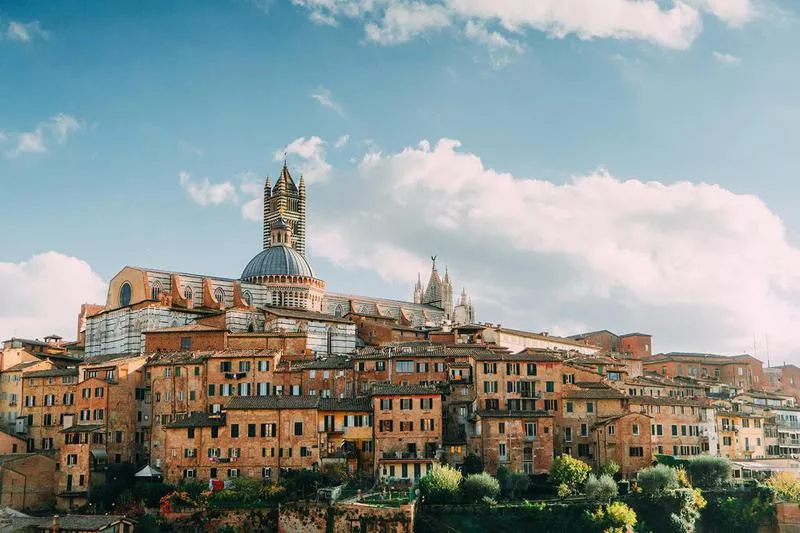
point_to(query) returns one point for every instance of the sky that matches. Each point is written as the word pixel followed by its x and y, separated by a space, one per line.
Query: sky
pixel 577 164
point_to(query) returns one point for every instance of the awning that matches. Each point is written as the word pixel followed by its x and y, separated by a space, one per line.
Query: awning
pixel 148 471
pixel 99 454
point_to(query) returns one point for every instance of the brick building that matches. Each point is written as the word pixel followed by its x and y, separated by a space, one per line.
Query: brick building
pixel 407 430
pixel 522 441
pixel 46 396
pixel 27 481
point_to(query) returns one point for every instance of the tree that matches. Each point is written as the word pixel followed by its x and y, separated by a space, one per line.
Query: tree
pixel 615 518
pixel 478 487
pixel 786 486
pixel 472 464
pixel 709 472
pixel 516 484
pixel 657 479
pixel 568 473
pixel 602 489
pixel 609 468
pixel 441 484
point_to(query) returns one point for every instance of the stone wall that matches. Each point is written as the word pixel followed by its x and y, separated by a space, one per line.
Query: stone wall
pixel 301 517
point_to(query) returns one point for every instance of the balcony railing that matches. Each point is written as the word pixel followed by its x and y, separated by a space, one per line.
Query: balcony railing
pixel 408 455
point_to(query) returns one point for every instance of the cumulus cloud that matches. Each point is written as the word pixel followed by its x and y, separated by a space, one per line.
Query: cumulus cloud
pixel 57 128
pixel 324 97
pixel 501 50
pixel 340 142
pixel 700 267
pixel 726 59
pixel 311 150
pixel 672 23
pixel 207 193
pixel 23 32
pixel 43 295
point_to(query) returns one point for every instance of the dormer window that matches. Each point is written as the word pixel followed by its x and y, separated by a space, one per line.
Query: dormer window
pixel 125 294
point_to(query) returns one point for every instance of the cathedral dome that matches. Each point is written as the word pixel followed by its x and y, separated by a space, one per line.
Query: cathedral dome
pixel 277 260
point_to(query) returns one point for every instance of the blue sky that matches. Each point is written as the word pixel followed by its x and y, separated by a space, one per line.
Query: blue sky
pixel 213 89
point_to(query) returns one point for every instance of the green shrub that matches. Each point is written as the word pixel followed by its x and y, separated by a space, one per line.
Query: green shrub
pixel 609 469
pixel 472 464
pixel 786 486
pixel 742 511
pixel 602 489
pixel 516 484
pixel 441 484
pixel 709 472
pixel 476 487
pixel 568 473
pixel 615 517
pixel 657 479
pixel 669 511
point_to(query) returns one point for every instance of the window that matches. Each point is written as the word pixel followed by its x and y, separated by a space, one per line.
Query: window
pixel 583 450
pixel 189 433
pixel 298 428
pixel 531 369
pixel 155 290
pixel 125 294
pixel 186 344
pixel 219 295
pixel 263 365
pixel 385 425
pixel 211 388
pixel 426 403
pixel 674 430
pixel 612 430
pixel 489 387
pixel 269 430
pixel 550 386
pixel 386 404
pixel 490 368
pixel 234 430
pixel 584 430
pixel 406 403
pixel 634 429
pixel 304 452
pixel 512 369
pixel 590 407
pixel 501 451
pixel 244 366
pixel 422 367
pixel 251 430
pixel 501 427
pixel 636 451
pixel 380 365
pixel 530 429
pixel 726 441
pixel 225 366
pixel 118 437
pixel 405 366
pixel 187 292
pixel 247 297
pixel 568 406
pixel 568 434
pixel 406 426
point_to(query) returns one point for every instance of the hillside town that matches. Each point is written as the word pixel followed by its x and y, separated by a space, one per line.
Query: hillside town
pixel 199 378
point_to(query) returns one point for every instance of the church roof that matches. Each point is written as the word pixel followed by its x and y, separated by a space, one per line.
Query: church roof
pixel 280 260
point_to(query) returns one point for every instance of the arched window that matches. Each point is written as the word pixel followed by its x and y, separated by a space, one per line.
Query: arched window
pixel 251 328
pixel 187 292
pixel 247 297
pixel 219 294
pixel 339 311
pixel 125 294
pixel 155 290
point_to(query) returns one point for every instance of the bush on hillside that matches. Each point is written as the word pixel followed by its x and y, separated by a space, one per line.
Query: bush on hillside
pixel 441 484
pixel 610 468
pixel 615 518
pixel 657 479
pixel 476 487
pixel 786 486
pixel 568 474
pixel 602 489
pixel 709 472
pixel 472 464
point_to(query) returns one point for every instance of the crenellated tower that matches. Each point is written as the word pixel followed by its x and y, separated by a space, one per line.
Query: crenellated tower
pixel 291 199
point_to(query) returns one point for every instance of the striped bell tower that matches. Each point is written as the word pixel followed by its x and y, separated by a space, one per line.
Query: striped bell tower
pixel 290 200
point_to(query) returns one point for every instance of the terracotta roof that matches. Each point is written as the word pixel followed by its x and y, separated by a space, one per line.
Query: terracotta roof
pixel 51 373
pixel 345 404
pixel 102 359
pixel 385 389
pixel 512 414
pixel 199 420
pixel 332 362
pixel 21 366
pixel 635 334
pixel 593 393
pixel 273 402
pixel 665 400
pixel 539 336
pixel 186 327
pixel 302 314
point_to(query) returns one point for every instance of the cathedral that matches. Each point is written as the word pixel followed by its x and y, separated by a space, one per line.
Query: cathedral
pixel 277 291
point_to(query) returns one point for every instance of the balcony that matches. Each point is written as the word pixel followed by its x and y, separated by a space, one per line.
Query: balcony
pixel 332 429
pixel 408 456
pixel 235 375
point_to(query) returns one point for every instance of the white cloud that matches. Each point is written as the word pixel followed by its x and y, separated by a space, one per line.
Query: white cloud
pixel 501 50
pixel 24 32
pixel 325 99
pixel 58 128
pixel 689 262
pixel 43 295
pixel 341 141
pixel 207 193
pixel 735 13
pixel 727 59
pixel 671 24
pixel 311 150
pixel 402 21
